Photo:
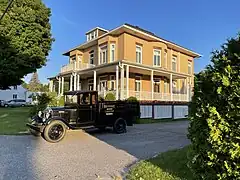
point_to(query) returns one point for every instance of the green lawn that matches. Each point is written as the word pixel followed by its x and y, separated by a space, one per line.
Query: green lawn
pixel 171 165
pixel 13 120
pixel 149 120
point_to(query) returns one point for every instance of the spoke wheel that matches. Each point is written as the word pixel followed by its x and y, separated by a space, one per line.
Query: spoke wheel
pixel 119 126
pixel 55 131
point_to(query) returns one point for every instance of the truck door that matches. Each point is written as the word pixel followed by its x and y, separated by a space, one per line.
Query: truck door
pixel 85 109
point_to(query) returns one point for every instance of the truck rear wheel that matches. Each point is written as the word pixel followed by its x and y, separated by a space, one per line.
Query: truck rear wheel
pixel 55 131
pixel 120 126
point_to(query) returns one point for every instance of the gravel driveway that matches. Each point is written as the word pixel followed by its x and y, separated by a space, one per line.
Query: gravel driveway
pixel 86 155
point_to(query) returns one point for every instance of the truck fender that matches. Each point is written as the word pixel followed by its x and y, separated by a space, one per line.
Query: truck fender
pixel 59 119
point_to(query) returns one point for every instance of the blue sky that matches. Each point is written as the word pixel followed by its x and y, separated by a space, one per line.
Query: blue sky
pixel 198 25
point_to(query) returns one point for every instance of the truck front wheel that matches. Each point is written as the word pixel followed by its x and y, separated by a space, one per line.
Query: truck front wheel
pixel 120 126
pixel 55 131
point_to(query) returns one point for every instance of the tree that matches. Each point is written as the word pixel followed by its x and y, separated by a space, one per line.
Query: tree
pixel 215 116
pixel 25 40
pixel 34 84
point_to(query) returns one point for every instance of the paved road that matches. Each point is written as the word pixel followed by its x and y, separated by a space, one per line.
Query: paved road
pixel 86 155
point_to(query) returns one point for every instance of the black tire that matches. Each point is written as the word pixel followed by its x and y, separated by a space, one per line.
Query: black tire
pixel 55 131
pixel 120 126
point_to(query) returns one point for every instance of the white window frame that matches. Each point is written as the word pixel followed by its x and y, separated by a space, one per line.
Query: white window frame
pixel 102 80
pixel 174 59
pixel 157 81
pixel 140 83
pixel 112 52
pixel 15 87
pixel 92 53
pixel 90 82
pixel 189 67
pixel 94 34
pixel 140 52
pixel 158 51
pixel 174 86
pixel 112 80
pixel 103 50
pixel 165 59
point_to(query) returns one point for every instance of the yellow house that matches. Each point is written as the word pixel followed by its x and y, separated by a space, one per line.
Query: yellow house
pixel 128 61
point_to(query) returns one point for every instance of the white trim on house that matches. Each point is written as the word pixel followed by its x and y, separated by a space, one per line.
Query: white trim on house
pixel 174 61
pixel 96 29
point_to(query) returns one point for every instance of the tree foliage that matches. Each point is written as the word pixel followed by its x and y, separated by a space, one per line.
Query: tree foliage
pixel 34 84
pixel 25 40
pixel 215 116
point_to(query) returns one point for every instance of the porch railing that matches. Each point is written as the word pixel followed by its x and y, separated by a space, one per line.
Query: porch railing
pixel 147 95
pixel 75 66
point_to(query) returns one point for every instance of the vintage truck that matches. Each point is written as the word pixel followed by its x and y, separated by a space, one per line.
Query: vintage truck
pixel 83 109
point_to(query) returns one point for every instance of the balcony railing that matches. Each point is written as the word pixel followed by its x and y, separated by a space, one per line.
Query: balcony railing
pixel 146 95
pixel 76 66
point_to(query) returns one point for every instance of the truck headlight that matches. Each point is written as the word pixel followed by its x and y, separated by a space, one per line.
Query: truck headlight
pixel 40 114
pixel 48 114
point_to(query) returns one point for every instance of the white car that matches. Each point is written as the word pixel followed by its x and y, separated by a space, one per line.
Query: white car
pixel 15 103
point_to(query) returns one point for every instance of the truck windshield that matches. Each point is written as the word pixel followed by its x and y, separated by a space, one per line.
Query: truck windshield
pixel 70 98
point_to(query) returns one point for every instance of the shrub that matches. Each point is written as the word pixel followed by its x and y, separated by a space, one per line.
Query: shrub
pixel 215 117
pixel 43 101
pixel 132 99
pixel 110 97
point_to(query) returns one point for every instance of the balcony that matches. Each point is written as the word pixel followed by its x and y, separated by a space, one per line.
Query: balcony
pixel 76 66
pixel 146 95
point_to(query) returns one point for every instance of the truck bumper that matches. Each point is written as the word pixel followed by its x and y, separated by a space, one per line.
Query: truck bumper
pixel 38 128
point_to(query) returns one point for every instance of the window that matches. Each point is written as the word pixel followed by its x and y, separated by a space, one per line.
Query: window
pixel 103 83
pixel 15 87
pixel 88 37
pixel 112 55
pixel 138 83
pixel 92 35
pixel 90 85
pixel 189 67
pixel 165 59
pixel 14 96
pixel 174 63
pixel 165 86
pixel 91 58
pixel 139 54
pixel 156 57
pixel 103 54
pixel 112 82
pixel 174 86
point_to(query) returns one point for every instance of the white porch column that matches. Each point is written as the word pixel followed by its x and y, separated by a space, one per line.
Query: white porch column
pixel 122 83
pixel 127 80
pixel 94 80
pixel 78 81
pixel 71 80
pixel 171 93
pixel 152 83
pixel 59 85
pixel 62 85
pixel 117 78
pixel 75 82
pixel 51 86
